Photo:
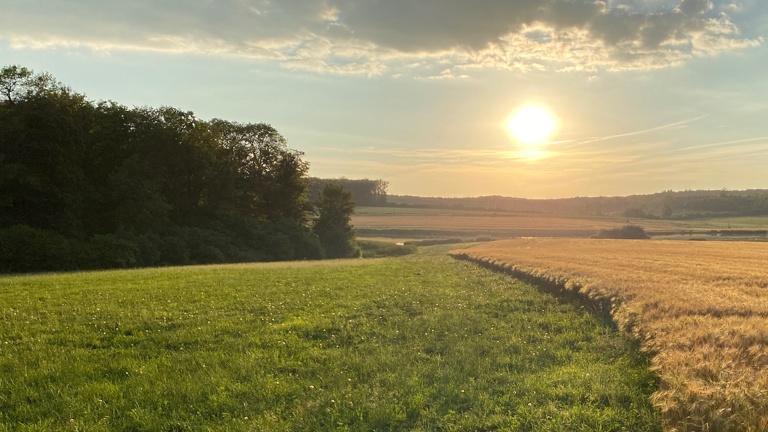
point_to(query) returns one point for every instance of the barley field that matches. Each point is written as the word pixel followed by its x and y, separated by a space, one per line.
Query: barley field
pixel 699 308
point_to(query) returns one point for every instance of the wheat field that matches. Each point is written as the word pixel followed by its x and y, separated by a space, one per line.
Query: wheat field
pixel 700 309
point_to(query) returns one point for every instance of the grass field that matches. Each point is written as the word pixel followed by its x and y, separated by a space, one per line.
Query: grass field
pixel 701 309
pixel 409 223
pixel 414 343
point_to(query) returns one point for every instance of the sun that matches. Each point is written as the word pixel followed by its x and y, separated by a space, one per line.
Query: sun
pixel 531 125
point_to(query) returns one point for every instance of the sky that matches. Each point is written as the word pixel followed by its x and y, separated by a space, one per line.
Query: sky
pixel 646 95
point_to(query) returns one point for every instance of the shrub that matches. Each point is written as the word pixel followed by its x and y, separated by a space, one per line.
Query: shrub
pixel 27 249
pixel 146 249
pixel 304 243
pixel 109 251
pixel 173 250
pixel 625 232
pixel 375 249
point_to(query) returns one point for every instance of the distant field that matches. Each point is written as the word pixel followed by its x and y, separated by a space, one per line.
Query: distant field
pixel 700 307
pixel 745 222
pixel 409 223
pixel 436 223
pixel 416 343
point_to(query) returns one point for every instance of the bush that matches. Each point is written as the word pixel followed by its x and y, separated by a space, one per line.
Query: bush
pixel 625 232
pixel 375 249
pixel 24 249
pixel 27 249
pixel 304 243
pixel 173 250
pixel 146 249
pixel 109 251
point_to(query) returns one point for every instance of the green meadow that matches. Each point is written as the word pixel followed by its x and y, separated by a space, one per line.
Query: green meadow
pixel 421 342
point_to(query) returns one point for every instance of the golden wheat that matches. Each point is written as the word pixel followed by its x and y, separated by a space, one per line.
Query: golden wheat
pixel 699 308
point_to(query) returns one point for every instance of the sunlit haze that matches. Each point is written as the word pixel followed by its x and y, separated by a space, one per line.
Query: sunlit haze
pixel 615 98
pixel 531 125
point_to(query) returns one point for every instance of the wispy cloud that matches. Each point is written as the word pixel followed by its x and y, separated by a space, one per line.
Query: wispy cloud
pixel 649 165
pixel 746 143
pixel 673 125
pixel 447 38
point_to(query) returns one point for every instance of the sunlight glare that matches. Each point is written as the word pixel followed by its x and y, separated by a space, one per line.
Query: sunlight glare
pixel 531 125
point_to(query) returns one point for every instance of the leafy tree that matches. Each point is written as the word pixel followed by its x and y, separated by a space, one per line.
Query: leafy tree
pixel 332 224
pixel 124 187
pixel 634 212
pixel 624 232
pixel 666 208
pixel 41 143
pixel 270 180
pixel 18 84
pixel 365 192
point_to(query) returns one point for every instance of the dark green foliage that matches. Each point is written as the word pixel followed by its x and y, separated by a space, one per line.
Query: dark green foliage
pixel 638 213
pixel 27 249
pixel 377 249
pixel 332 224
pixel 689 204
pixel 120 187
pixel 365 192
pixel 625 232
pixel 432 242
pixel 666 209
pixel 110 251
pixel 267 179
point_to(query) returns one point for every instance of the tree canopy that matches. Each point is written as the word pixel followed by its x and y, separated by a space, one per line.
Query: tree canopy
pixel 96 184
pixel 365 192
pixel 332 224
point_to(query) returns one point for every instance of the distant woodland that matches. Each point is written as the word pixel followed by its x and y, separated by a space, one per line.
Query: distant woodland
pixel 365 192
pixel 99 185
pixel 663 205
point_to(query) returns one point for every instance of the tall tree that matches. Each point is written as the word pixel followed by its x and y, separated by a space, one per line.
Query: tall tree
pixel 41 145
pixel 18 84
pixel 365 192
pixel 270 178
pixel 115 186
pixel 333 222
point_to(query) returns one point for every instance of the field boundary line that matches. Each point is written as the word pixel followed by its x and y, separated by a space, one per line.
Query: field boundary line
pixel 604 306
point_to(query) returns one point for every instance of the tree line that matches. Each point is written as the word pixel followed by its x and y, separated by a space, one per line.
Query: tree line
pixel 689 204
pixel 365 192
pixel 99 185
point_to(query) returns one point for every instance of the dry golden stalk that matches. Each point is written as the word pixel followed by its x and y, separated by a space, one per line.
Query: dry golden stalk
pixel 699 308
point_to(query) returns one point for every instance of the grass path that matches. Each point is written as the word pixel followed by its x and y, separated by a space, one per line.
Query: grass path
pixel 414 343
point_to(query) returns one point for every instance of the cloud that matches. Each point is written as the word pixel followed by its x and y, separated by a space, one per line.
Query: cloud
pixel 376 37
pixel 672 125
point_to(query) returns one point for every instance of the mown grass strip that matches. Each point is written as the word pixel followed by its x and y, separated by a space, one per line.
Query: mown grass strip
pixel 414 343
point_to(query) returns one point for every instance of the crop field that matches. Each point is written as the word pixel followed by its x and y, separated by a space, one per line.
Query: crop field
pixel 414 343
pixel 699 308
pixel 415 223
pixel 438 223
